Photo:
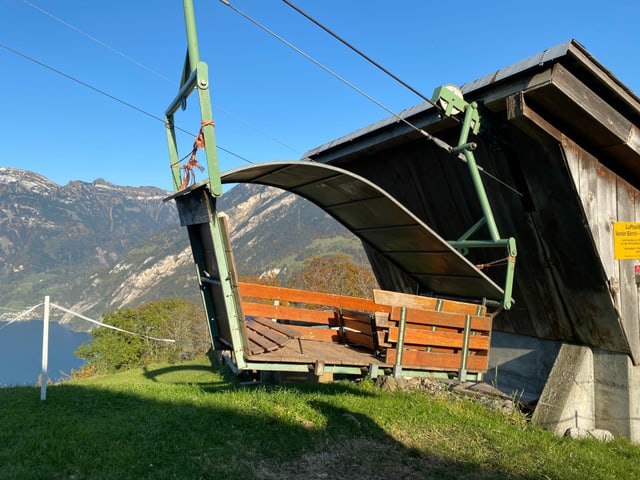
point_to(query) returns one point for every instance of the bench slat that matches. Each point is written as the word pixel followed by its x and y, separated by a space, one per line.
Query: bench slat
pixel 441 319
pixel 315 333
pixel 385 297
pixel 283 329
pixel 287 313
pixel 438 339
pixel 438 361
pixel 250 290
pixel 359 338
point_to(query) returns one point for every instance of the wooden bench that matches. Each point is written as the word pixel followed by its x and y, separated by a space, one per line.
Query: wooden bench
pixel 314 315
pixel 265 335
pixel 408 331
pixel 441 335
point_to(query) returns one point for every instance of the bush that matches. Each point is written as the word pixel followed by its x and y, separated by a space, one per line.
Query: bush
pixel 109 351
pixel 335 274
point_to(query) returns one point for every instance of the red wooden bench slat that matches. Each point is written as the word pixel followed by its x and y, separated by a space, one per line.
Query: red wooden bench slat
pixel 443 319
pixel 438 361
pixel 359 338
pixel 438 339
pixel 315 333
pixel 282 329
pixel 281 312
pixel 250 290
pixel 385 297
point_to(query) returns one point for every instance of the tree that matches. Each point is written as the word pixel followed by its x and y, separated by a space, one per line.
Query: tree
pixel 335 274
pixel 109 350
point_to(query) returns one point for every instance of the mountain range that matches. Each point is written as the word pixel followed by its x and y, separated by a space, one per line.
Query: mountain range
pixel 96 247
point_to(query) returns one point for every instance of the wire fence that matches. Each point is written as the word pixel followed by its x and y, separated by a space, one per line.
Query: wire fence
pixel 25 314
pixel 21 316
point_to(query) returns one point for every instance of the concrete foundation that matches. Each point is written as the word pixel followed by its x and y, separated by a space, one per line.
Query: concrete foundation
pixel 591 389
pixel 568 399
pixel 617 394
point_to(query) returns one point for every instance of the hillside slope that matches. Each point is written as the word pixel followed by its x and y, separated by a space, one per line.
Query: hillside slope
pixel 53 237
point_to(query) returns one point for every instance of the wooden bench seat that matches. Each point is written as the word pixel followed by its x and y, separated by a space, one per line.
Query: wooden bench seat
pixel 439 335
pixel 311 314
pixel 265 335
pixel 435 332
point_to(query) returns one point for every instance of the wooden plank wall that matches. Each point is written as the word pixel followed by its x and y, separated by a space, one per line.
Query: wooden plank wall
pixel 606 199
pixel 560 288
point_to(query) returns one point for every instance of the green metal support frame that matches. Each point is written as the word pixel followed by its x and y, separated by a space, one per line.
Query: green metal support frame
pixel 372 370
pixel 195 76
pixel 453 105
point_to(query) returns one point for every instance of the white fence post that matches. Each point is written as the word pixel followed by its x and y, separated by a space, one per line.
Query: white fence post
pixel 45 350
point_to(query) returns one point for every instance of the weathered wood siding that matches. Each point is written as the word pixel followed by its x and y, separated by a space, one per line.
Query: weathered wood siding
pixel 561 286
pixel 606 199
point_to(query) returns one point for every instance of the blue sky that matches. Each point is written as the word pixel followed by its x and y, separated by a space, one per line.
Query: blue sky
pixel 269 102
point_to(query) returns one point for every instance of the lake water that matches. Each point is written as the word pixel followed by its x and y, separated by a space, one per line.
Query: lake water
pixel 21 352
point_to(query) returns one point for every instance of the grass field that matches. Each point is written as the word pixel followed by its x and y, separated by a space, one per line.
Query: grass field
pixel 192 421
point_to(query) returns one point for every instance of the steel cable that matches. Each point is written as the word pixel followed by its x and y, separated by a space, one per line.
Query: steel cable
pixel 440 143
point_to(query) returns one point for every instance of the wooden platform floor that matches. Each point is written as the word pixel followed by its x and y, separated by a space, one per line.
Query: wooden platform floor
pixel 313 351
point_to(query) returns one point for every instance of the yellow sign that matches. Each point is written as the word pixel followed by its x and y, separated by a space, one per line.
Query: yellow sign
pixel 626 240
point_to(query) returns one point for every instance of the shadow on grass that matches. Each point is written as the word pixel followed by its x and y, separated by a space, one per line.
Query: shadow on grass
pixel 193 431
pixel 173 371
pixel 173 374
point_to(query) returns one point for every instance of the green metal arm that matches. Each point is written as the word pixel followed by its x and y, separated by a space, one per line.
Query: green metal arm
pixel 208 238
pixel 194 76
pixel 454 104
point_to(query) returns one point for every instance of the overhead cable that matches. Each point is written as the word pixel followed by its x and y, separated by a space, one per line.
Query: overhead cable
pixel 437 141
pixel 99 42
pixel 20 316
pixel 151 71
pixel 440 143
pixel 361 53
pixel 110 96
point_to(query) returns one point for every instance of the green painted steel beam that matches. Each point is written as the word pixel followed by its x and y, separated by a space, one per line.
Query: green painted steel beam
pixel 193 51
pixel 174 158
pixel 465 349
pixel 195 76
pixel 208 129
pixel 401 333
pixel 351 370
pixel 450 99
pixel 500 243
pixel 185 89
pixel 233 309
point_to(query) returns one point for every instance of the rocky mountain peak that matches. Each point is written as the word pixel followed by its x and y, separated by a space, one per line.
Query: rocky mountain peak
pixel 96 247
pixel 23 180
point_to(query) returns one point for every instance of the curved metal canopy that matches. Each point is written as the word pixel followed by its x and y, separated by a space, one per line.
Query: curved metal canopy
pixel 380 221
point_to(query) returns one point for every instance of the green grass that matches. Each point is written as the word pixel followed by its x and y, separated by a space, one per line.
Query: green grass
pixel 192 421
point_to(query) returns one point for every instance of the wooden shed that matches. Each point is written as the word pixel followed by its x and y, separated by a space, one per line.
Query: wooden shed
pixel 564 134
